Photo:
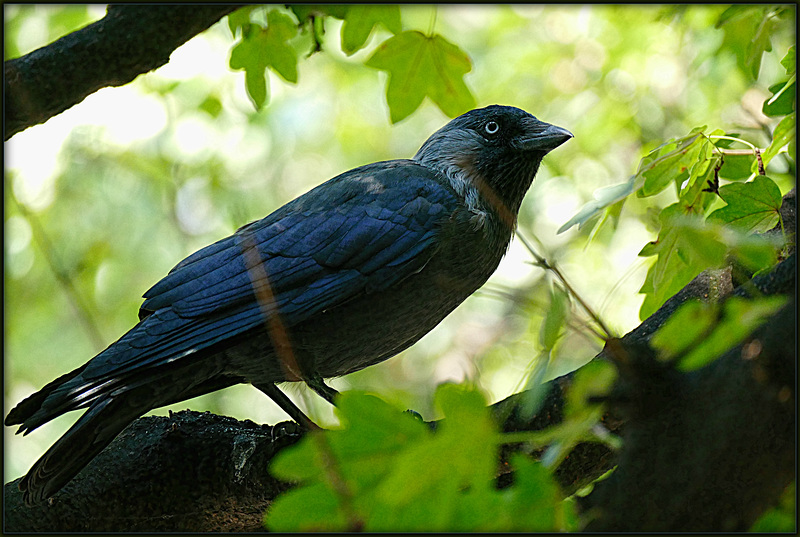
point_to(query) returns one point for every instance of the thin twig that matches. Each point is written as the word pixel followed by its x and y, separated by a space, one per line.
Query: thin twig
pixel 541 261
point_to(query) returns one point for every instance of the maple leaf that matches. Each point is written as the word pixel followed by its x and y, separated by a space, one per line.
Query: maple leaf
pixel 261 48
pixel 421 66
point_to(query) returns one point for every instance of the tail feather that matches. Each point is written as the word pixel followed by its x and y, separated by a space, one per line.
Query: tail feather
pixel 72 392
pixel 33 403
pixel 98 426
pixel 108 414
pixel 72 395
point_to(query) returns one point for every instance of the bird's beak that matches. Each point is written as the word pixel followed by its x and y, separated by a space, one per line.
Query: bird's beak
pixel 542 137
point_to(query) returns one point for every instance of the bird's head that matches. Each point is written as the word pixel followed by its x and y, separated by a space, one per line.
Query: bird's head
pixel 494 153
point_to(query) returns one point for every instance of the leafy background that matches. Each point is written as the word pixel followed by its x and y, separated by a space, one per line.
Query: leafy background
pixel 102 200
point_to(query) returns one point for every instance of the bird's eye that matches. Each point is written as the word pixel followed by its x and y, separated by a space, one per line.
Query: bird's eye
pixel 492 127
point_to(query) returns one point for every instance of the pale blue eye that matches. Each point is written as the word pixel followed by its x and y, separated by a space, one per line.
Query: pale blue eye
pixel 492 127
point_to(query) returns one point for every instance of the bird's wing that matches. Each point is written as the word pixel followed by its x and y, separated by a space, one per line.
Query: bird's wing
pixel 360 232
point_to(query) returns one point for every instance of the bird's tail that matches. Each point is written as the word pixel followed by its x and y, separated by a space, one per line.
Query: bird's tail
pixel 98 426
pixel 113 403
pixel 31 405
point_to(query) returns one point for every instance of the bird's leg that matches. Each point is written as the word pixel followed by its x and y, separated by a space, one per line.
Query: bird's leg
pixel 286 404
pixel 316 383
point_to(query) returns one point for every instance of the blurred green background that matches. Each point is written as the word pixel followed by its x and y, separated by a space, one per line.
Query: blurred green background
pixel 102 200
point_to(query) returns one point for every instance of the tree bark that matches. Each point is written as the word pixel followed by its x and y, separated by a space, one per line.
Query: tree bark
pixel 706 451
pixel 128 41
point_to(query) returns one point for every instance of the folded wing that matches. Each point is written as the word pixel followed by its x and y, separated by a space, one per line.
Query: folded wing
pixel 360 232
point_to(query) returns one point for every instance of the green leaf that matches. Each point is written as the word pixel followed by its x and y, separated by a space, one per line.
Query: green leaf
pixel 594 379
pixel 784 134
pixel 755 253
pixel 700 246
pixel 782 101
pixel 733 12
pixel 683 252
pixel 693 197
pixel 370 428
pixel 580 415
pixel 535 388
pixel 339 469
pixel 759 45
pixel 460 455
pixel 360 19
pixel 737 167
pixel 212 106
pixel 239 19
pixel 283 58
pixel 309 508
pixel 553 326
pixel 789 62
pixel 383 470
pixel 421 66
pixel 463 405
pixel 260 48
pixel 534 500
pixel 603 198
pixel 752 206
pixel 468 459
pixel 783 517
pixel 700 332
pixel 686 246
pixel 305 11
pixel 685 328
pixel 723 143
pixel 670 162
pixel 746 34
pixel 740 317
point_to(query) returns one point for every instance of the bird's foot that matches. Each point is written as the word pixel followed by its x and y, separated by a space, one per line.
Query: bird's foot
pixel 286 430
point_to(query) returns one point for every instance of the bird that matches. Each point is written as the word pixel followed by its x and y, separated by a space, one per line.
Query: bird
pixel 345 276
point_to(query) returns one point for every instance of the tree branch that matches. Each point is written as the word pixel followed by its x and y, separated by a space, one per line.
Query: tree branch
pixel 128 41
pixel 706 451
pixel 189 471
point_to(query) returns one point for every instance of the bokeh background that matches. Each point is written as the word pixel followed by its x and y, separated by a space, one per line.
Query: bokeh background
pixel 102 200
